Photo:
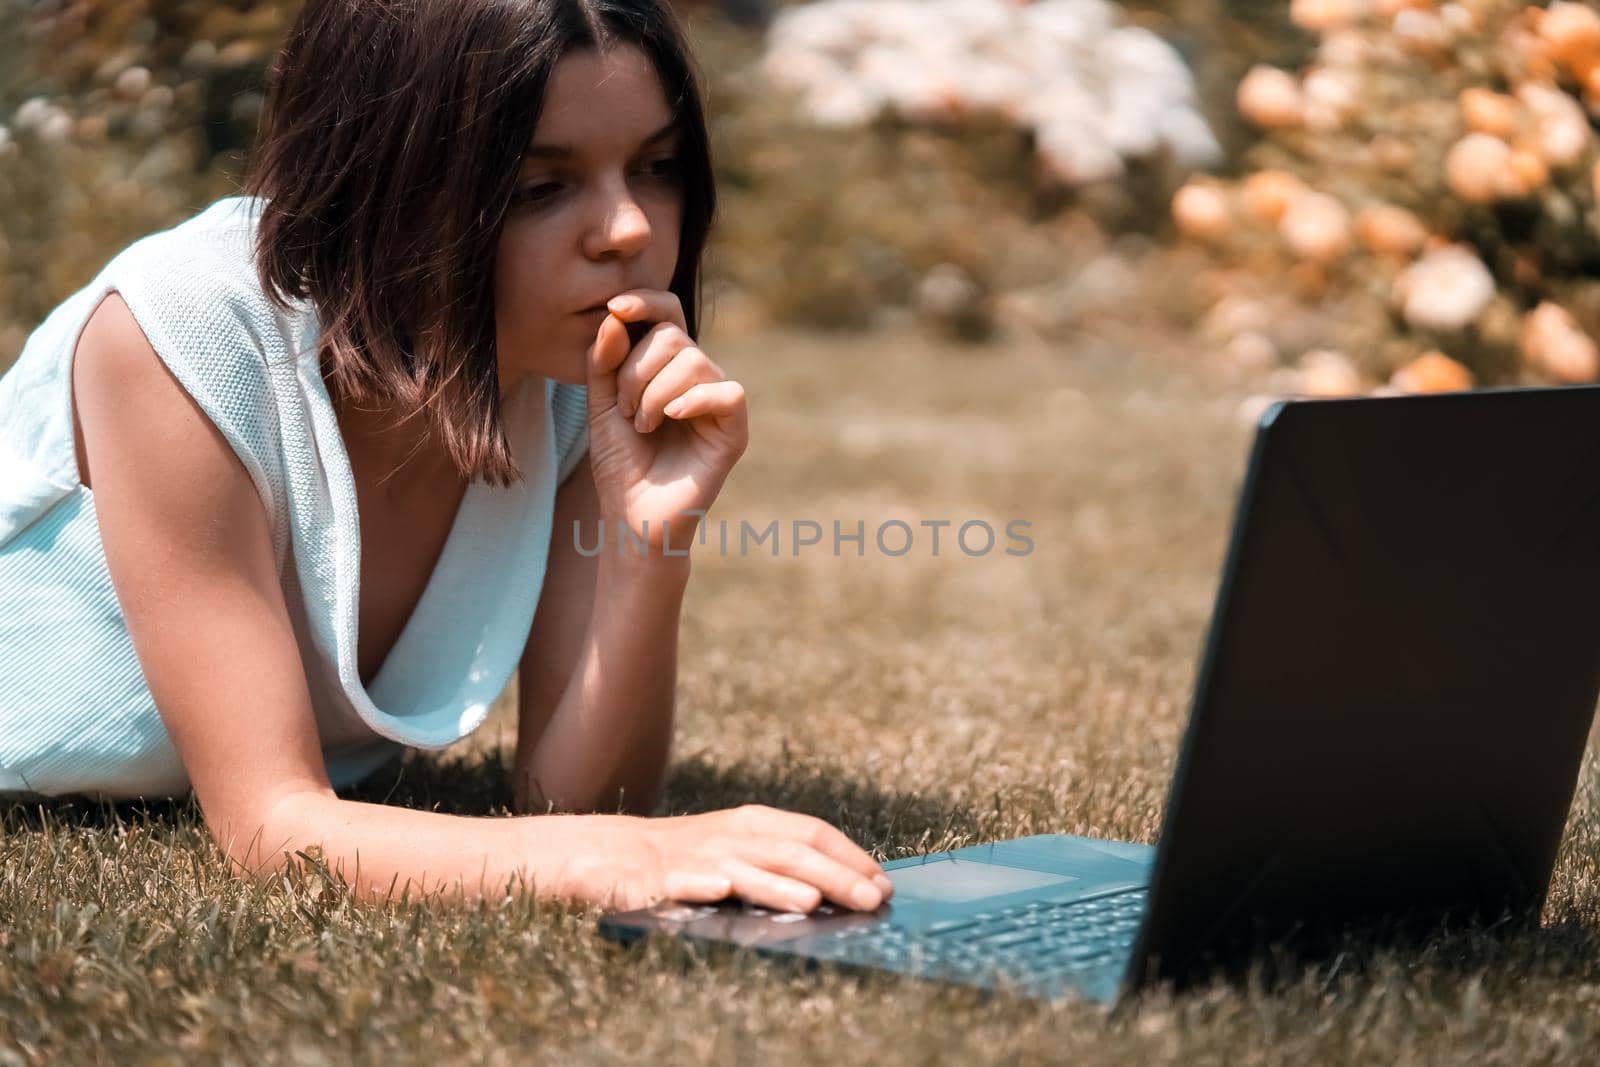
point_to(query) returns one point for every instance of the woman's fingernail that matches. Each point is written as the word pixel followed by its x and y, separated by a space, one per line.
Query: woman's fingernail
pixel 882 882
pixel 638 422
pixel 865 897
pixel 620 304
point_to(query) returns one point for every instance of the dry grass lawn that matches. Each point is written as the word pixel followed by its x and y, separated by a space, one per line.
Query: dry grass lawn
pixel 919 702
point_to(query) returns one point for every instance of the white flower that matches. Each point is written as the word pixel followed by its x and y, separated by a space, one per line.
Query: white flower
pixel 1563 129
pixel 1076 153
pixel 1270 97
pixel 1553 342
pixel 1445 289
pixel 32 113
pixel 1093 91
pixel 1316 226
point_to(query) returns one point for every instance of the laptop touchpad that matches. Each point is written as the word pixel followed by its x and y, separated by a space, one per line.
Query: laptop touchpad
pixel 955 881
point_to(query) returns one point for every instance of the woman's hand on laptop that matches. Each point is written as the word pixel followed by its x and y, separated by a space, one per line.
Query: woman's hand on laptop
pixel 768 857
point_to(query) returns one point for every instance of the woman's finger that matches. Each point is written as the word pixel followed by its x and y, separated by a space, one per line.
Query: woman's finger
pixel 794 859
pixel 724 399
pixel 830 840
pixel 766 888
pixel 689 367
pixel 652 305
pixel 654 351
pixel 697 886
pixel 609 349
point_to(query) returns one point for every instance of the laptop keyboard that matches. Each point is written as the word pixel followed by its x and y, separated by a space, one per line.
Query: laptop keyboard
pixel 1036 942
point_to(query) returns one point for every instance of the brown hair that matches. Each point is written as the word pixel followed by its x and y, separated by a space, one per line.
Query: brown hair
pixel 388 155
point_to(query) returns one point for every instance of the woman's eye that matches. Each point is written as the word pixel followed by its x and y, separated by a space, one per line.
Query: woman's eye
pixel 538 192
pixel 666 167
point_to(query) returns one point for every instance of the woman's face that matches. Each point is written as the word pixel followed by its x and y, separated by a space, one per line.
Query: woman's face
pixel 597 210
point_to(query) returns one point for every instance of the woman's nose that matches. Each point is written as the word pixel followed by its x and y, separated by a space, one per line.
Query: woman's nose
pixel 623 227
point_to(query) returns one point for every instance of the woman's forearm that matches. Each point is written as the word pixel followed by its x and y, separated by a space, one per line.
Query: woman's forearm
pixel 379 849
pixel 606 744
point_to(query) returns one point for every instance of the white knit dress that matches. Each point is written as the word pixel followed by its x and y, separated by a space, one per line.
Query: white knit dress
pixel 76 715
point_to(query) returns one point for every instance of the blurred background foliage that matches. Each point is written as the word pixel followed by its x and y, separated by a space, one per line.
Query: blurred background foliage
pixel 125 116
pixel 1348 235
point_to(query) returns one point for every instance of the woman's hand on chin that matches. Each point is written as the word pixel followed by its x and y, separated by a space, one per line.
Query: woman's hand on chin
pixel 665 424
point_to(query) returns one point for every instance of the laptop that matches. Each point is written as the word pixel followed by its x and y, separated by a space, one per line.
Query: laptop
pixel 1390 712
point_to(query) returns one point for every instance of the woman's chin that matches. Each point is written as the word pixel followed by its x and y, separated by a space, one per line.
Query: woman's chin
pixel 576 373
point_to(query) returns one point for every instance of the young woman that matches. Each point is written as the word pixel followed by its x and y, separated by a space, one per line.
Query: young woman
pixel 292 486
